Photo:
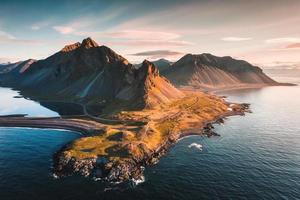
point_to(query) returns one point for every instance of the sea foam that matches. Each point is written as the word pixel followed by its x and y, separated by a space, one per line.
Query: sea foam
pixel 196 145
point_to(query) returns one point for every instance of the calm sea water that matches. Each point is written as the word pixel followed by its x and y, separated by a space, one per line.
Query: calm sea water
pixel 256 157
pixel 12 103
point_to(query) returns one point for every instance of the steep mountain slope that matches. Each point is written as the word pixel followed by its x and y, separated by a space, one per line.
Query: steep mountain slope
pixel 150 85
pixel 87 72
pixel 209 71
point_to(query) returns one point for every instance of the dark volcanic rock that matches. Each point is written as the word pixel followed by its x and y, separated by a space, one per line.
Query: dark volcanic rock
pixel 65 165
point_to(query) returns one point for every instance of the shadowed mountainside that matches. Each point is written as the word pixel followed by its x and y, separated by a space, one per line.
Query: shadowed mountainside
pixel 88 72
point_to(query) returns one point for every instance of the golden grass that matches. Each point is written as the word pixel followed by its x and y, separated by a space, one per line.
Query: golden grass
pixel 101 145
pixel 175 116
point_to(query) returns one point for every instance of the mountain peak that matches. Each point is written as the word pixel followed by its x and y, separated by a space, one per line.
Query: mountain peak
pixel 71 47
pixel 86 43
pixel 149 68
pixel 89 43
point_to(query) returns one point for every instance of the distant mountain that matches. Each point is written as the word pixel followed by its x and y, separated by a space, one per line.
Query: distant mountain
pixel 9 73
pixel 162 64
pixel 209 71
pixel 17 68
pixel 4 68
pixel 87 72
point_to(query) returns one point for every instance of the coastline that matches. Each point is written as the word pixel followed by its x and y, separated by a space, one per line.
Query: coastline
pixel 143 150
pixel 85 128
pixel 132 169
pixel 216 90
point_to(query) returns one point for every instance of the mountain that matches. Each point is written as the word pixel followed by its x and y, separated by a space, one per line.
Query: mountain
pixel 18 67
pixel 9 73
pixel 162 64
pixel 209 71
pixel 4 68
pixel 86 72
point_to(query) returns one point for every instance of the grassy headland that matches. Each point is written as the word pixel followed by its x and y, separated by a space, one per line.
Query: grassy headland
pixel 119 152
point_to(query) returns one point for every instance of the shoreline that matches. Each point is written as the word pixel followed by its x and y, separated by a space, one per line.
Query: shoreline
pixel 217 90
pixel 49 123
pixel 131 168
pixel 38 128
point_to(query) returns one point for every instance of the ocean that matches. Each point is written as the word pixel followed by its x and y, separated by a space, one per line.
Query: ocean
pixel 256 156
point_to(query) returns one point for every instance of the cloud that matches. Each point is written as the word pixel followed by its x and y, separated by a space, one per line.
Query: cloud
pixel 236 39
pixel 130 37
pixel 126 34
pixel 283 40
pixel 155 54
pixel 64 29
pixel 90 21
pixel 6 38
pixel 4 60
pixel 141 35
pixel 281 65
pixel 293 46
pixel 158 53
pixel 151 43
pixel 42 23
pixel 35 27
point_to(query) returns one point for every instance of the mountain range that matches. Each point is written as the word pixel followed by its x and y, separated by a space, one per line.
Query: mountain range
pixel 88 73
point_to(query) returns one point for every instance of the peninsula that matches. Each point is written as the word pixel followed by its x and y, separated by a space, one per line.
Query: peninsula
pixel 129 116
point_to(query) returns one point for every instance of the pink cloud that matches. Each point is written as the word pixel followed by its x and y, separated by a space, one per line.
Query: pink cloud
pixel 158 53
pixel 236 39
pixel 64 29
pixel 283 40
pixel 131 35
pixel 8 38
pixel 143 43
pixel 294 45
pixel 142 35
pixel 138 38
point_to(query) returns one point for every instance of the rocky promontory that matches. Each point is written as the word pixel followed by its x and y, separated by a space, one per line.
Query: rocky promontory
pixel 121 153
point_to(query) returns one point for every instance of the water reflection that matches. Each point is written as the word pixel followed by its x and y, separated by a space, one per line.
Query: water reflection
pixel 64 108
pixel 11 103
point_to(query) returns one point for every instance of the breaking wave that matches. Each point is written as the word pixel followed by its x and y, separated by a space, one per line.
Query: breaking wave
pixel 196 145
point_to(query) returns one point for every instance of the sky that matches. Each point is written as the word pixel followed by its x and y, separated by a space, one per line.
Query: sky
pixel 263 32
